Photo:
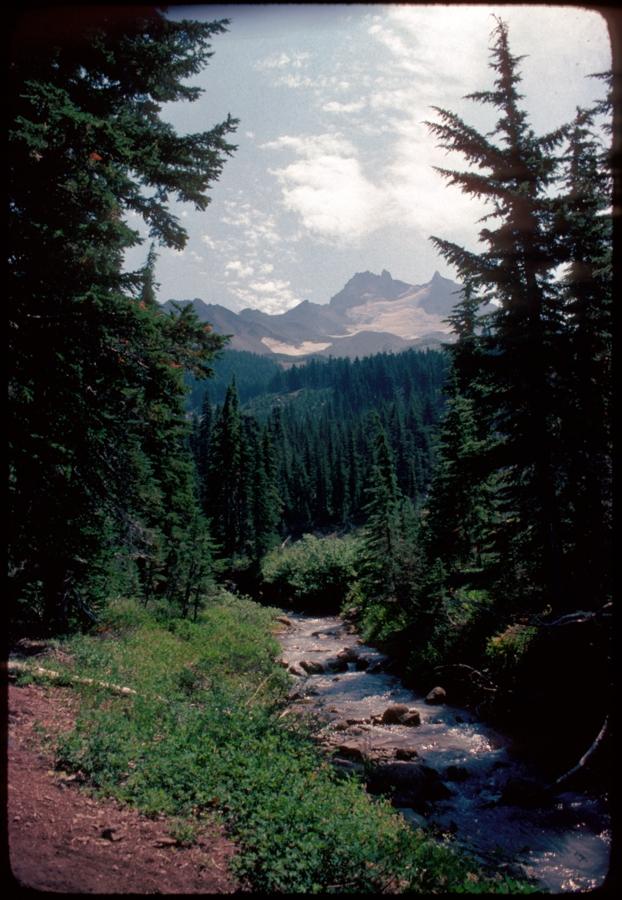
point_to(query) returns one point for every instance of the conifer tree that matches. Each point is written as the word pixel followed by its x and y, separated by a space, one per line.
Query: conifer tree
pixel 201 446
pixel 516 271
pixel 224 489
pixel 382 529
pixel 585 385
pixel 460 505
pixel 95 368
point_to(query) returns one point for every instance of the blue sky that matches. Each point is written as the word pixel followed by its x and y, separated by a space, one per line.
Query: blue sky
pixel 333 171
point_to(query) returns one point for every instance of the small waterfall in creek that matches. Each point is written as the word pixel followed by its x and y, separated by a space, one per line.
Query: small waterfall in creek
pixel 442 768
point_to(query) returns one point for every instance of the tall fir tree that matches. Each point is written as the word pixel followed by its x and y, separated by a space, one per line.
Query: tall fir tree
pixel 516 270
pixel 585 385
pixel 94 366
pixel 224 489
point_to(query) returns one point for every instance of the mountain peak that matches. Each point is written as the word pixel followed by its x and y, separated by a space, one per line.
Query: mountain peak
pixel 372 313
pixel 437 279
pixel 368 286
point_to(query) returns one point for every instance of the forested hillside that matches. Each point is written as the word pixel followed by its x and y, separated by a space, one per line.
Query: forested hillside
pixel 300 453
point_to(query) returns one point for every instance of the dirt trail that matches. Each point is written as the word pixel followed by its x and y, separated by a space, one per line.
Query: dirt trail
pixel 61 840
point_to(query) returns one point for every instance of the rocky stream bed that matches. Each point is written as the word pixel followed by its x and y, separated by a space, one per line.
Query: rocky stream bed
pixel 441 767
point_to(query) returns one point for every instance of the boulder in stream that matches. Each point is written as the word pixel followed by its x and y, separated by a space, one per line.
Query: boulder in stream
pixel 378 665
pixel 437 695
pixel 412 718
pixel 406 754
pixel 409 783
pixel 312 666
pixel 393 714
pixel 335 664
pixel 351 750
pixel 295 669
pixel 399 714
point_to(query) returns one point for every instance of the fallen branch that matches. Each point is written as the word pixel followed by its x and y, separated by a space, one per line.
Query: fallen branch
pixel 15 666
pixel 259 687
pixel 586 756
pixel 491 686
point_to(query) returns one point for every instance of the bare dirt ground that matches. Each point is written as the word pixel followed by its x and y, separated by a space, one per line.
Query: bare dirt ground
pixel 61 840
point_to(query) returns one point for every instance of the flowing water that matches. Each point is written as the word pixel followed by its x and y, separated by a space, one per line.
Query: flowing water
pixel 474 783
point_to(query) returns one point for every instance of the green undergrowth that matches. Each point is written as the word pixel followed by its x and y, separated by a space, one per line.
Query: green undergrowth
pixel 205 733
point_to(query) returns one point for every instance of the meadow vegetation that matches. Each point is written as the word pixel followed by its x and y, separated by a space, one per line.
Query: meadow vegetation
pixel 206 734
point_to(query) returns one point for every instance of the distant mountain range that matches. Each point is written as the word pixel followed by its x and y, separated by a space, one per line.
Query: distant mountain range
pixel 371 314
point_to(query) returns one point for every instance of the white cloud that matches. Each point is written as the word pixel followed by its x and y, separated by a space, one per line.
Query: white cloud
pixel 239 269
pixel 312 144
pixel 274 296
pixel 292 80
pixel 333 106
pixel 208 241
pixel 332 196
pixel 284 61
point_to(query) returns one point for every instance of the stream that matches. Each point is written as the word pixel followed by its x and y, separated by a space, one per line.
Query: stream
pixel 443 768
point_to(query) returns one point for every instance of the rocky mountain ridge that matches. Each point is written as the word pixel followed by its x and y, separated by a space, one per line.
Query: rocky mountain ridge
pixel 371 314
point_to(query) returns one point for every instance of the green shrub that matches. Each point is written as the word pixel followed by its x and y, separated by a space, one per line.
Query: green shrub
pixel 124 613
pixel 314 573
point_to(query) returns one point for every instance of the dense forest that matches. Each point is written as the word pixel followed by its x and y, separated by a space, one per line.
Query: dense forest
pixel 454 504
pixel 301 453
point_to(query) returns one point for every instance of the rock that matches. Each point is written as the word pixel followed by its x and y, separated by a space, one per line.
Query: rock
pixel 409 783
pixel 296 693
pixel 351 750
pixel 411 718
pixel 284 620
pixel 376 666
pixel 295 669
pixel 340 726
pixel 111 834
pixel 456 773
pixel 436 695
pixel 405 754
pixel 362 663
pixel 312 666
pixel 346 767
pixel 399 714
pixel 393 714
pixel 335 664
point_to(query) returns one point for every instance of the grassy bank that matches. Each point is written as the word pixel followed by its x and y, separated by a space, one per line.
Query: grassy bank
pixel 205 732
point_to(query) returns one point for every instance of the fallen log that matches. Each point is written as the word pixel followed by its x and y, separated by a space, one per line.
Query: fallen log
pixel 16 666
pixel 580 617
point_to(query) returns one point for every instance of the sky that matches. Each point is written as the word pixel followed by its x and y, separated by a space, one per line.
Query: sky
pixel 333 172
